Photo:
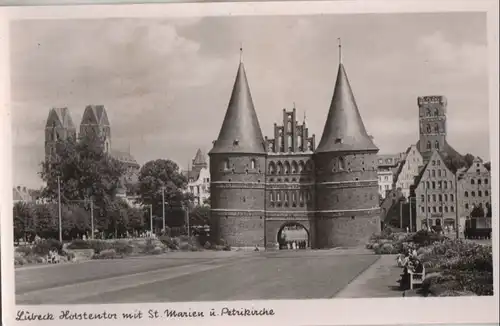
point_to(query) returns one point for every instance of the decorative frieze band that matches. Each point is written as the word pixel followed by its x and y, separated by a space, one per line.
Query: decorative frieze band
pixel 348 184
pixel 237 185
pixel 297 214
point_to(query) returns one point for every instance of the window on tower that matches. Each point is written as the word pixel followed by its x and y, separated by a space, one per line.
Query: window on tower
pixel 436 144
pixel 341 163
pixel 436 128
pixel 436 112
pixel 226 165
pixel 428 128
pixel 429 145
pixel 252 164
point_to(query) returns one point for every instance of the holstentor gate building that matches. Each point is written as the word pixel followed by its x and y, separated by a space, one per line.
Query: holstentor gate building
pixel 260 185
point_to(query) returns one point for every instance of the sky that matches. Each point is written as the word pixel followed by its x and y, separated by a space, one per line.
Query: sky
pixel 166 83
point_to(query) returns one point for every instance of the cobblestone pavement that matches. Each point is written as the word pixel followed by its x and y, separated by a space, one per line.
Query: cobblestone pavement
pixel 197 276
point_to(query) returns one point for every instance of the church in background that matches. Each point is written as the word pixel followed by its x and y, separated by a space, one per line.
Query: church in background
pixel 95 123
pixel 198 175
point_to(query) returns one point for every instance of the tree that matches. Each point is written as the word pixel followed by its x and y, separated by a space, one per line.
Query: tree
pixel 85 171
pixel 158 174
pixel 199 216
pixel 469 159
pixel 207 201
pixel 487 165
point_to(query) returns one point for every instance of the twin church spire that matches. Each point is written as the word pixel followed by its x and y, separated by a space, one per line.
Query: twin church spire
pixel 344 128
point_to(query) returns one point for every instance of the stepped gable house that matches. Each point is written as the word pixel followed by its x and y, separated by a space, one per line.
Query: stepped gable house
pixel 95 123
pixel 259 185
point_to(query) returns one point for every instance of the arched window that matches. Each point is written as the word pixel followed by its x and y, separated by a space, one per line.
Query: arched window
pixel 486 193
pixel 290 143
pixel 252 164
pixel 433 197
pixel 478 181
pixel 440 196
pixel 436 112
pixel 472 181
pixel 289 126
pixel 272 168
pixel 433 185
pixel 429 146
pixel 445 185
pixel 428 128
pixel 436 128
pixel 452 208
pixel 271 196
pixel 287 167
pixel 479 193
pixel 466 194
pixel 466 206
pixel 436 144
pixel 226 165
pixel 301 166
pixel 285 197
pixel 452 197
pixel 422 198
pixel 446 209
pixel 473 193
pixel 294 197
pixel 294 167
pixel 279 168
pixel 440 184
pixel 301 197
pixel 341 163
pixel 445 197
pixel 278 196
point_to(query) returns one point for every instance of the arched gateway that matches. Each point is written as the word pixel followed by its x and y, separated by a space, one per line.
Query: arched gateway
pixel 293 235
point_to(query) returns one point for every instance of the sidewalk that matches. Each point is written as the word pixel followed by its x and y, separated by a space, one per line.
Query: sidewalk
pixel 380 280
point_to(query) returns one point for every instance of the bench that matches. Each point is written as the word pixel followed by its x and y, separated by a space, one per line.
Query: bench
pixel 416 278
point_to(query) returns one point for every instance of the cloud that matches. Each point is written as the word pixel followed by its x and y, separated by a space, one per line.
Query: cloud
pixel 442 55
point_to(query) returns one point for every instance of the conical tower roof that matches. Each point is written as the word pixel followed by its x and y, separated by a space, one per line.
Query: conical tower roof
pixel 240 131
pixel 344 129
pixel 199 158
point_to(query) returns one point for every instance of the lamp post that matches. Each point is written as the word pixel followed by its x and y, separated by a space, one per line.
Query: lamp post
pixel 163 206
pixel 59 206
pixel 151 218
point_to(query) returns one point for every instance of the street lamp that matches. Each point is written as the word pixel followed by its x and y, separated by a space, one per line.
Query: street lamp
pixel 163 206
pixel 59 206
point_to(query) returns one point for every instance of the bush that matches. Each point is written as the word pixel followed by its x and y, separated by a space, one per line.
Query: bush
pixel 171 243
pixel 79 244
pixel 24 250
pixel 207 245
pixel 43 247
pixel 157 251
pixel 426 238
pixel 107 254
pixel 122 247
pixel 227 248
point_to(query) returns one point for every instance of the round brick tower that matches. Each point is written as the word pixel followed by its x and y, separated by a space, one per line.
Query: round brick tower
pixel 237 172
pixel 347 202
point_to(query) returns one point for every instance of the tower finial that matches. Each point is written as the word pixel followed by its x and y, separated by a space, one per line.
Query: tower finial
pixel 241 52
pixel 294 104
pixel 340 49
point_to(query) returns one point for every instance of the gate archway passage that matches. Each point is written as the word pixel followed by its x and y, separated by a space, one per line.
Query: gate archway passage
pixel 293 235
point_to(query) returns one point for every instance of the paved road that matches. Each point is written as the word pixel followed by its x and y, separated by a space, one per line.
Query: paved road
pixel 194 276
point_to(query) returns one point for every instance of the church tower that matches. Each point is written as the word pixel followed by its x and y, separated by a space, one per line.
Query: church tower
pixel 95 124
pixel 432 120
pixel 199 162
pixel 59 126
pixel 347 203
pixel 237 171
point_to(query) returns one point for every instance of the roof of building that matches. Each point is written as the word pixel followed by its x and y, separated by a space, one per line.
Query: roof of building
pixel 62 115
pixel 95 114
pixel 442 156
pixel 124 157
pixel 199 158
pixel 344 129
pixel 240 131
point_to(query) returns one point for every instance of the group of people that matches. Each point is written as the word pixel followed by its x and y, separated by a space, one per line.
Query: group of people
pixel 293 245
pixel 410 264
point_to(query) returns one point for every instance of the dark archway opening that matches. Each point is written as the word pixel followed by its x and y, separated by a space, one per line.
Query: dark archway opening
pixel 293 236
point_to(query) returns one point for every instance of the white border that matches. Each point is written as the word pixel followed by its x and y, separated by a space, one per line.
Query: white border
pixel 296 312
